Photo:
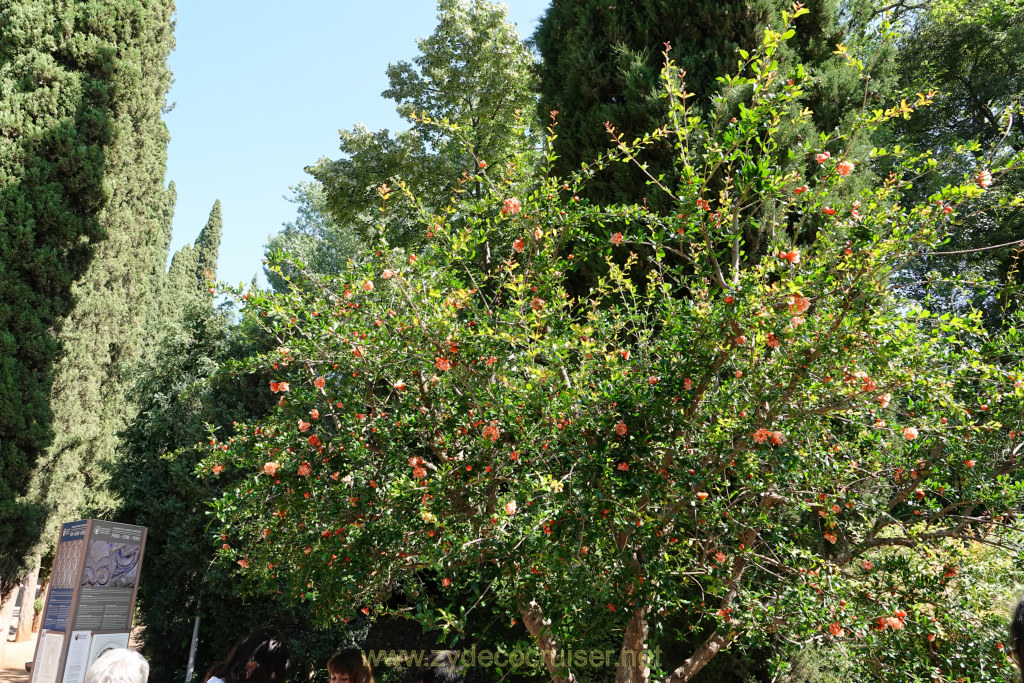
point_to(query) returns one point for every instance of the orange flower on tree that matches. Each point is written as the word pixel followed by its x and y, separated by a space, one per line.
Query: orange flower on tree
pixel 511 206
pixel 443 363
pixel 270 468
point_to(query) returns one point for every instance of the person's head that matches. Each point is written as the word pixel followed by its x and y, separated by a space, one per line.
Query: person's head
pixel 442 668
pixel 260 658
pixel 118 665
pixel 1017 636
pixel 350 666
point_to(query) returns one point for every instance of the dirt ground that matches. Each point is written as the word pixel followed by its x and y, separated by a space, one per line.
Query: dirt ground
pixel 12 667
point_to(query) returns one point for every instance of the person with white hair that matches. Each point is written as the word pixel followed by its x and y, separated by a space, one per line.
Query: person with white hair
pixel 118 665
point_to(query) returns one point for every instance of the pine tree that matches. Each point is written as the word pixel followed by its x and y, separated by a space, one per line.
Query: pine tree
pixel 92 193
pixel 601 62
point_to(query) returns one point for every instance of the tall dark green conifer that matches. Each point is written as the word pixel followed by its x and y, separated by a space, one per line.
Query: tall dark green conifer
pixel 82 223
pixel 207 246
pixel 602 62
pixel 193 267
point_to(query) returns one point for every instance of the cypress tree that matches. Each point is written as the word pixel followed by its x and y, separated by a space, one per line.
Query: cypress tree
pixel 83 214
pixel 601 62
pixel 207 246
pixel 193 267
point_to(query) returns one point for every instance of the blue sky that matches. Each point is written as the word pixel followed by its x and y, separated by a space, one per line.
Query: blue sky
pixel 260 91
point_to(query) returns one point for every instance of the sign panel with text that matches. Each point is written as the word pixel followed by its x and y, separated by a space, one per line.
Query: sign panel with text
pixel 92 596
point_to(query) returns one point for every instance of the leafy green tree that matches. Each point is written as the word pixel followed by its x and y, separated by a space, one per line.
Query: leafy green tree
pixel 314 238
pixel 474 74
pixel 969 54
pixel 738 454
pixel 82 155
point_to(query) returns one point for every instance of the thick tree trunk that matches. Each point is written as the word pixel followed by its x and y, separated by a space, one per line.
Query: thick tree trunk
pixel 28 600
pixel 634 664
pixel 37 621
pixel 537 625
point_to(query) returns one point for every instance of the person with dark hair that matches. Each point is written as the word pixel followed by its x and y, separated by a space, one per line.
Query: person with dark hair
pixel 350 666
pixel 262 657
pixel 1017 636
pixel 443 667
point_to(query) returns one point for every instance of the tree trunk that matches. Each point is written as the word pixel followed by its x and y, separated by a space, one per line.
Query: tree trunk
pixel 37 621
pixel 28 601
pixel 537 625
pixel 634 662
pixel 702 656
pixel 6 614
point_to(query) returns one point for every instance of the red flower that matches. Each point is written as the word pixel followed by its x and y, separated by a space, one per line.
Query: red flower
pixel 511 206
pixel 368 286
pixel 845 168
pixel 702 495
pixel 314 441
pixel 387 274
pixel 446 582
pixel 621 428
pixel 482 164
pixel 270 468
pixel 823 157
pixel 799 304
pixel 518 245
pixel 801 189
pixel 303 426
pixel 217 469
pixel 399 385
pixel 491 432
pixel 617 239
pixel 829 211
pixel 836 630
pixel 419 473
pixel 909 433
pixel 622 467
pixel 304 469
pixel 443 364
pixel 984 179
pixel 791 256
pixel 315 414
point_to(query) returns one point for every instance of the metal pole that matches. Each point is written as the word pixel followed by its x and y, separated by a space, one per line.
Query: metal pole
pixel 192 649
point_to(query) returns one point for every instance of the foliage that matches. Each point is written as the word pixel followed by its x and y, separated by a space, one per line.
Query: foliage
pixel 82 154
pixel 969 54
pixel 474 74
pixel 740 453
pixel 602 62
pixel 193 269
pixel 314 238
